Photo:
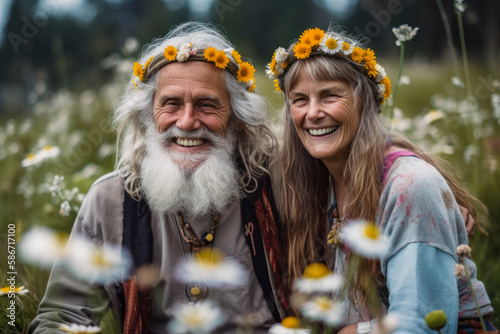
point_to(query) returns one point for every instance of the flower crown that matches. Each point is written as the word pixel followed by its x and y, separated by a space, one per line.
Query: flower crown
pixel 314 42
pixel 228 59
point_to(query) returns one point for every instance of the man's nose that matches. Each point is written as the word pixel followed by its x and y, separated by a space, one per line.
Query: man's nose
pixel 188 119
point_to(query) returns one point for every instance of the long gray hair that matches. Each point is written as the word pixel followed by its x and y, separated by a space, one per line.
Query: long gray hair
pixel 256 144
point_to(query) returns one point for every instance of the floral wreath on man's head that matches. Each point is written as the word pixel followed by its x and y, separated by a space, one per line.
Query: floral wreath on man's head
pixel 313 42
pixel 227 59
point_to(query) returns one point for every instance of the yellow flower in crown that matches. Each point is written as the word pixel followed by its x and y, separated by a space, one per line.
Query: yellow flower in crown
pixel 277 85
pixel 302 51
pixel 316 35
pixel 210 53
pixel 387 83
pixel 357 54
pixel 170 53
pixel 272 64
pixel 138 71
pixel 252 88
pixel 220 59
pixel 246 72
pixel 236 56
pixel 305 37
pixel 369 55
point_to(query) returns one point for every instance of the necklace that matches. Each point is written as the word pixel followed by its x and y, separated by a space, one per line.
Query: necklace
pixel 336 223
pixel 196 291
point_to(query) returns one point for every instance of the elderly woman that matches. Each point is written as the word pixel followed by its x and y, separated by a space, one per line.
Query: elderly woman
pixel 340 161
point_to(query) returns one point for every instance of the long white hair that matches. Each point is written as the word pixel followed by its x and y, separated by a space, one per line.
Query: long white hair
pixel 256 144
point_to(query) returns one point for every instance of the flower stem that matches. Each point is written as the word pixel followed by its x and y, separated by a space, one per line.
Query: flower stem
pixel 400 71
pixel 475 298
pixel 447 29
pixel 464 54
pixel 468 86
pixel 440 331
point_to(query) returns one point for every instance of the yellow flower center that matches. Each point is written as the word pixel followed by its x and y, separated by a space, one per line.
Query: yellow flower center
pixel 323 303
pixel 194 319
pixel 345 46
pixel 31 156
pixel 371 231
pixel 99 260
pixel 316 271
pixel 7 289
pixel 210 257
pixel 331 43
pixel 48 147
pixel 290 322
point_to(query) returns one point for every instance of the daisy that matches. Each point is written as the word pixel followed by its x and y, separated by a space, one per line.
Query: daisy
pixel 317 278
pixel 201 318
pixel 221 60
pixel 324 309
pixel 365 239
pixel 433 116
pixel 49 152
pixel 347 48
pixel 302 51
pixel 381 74
pixel 41 246
pixel 17 291
pixel 210 53
pixel 246 72
pixel 80 329
pixel 170 53
pixel 330 44
pixel 31 159
pixel 210 267
pixel 97 264
pixel 289 325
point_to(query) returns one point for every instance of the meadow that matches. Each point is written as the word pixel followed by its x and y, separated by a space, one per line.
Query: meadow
pixel 50 158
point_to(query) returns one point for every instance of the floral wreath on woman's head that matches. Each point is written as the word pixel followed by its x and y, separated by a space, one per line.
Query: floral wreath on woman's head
pixel 314 42
pixel 227 59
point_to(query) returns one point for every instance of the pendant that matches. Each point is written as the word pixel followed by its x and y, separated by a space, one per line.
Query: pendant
pixel 196 291
pixel 333 237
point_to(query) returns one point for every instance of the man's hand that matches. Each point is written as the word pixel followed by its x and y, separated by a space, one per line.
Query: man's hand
pixel 470 223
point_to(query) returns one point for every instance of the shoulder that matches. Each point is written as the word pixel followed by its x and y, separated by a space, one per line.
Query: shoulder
pixel 102 210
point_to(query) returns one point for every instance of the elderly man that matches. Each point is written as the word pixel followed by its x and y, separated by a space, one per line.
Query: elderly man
pixel 192 175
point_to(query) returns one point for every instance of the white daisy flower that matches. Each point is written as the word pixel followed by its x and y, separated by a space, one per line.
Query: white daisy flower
pixel 404 80
pixel 17 291
pixel 210 267
pixel 41 246
pixel 49 152
pixel 31 159
pixel 201 318
pixel 317 278
pixel 281 55
pixel 289 325
pixel 365 239
pixel 324 309
pixel 347 47
pixel 97 264
pixel 330 44
pixel 80 329
pixel 432 116
pixel 381 74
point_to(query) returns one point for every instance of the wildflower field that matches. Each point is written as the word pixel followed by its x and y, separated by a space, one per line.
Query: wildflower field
pixel 51 156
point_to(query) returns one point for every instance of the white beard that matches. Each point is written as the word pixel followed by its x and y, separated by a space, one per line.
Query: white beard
pixel 196 192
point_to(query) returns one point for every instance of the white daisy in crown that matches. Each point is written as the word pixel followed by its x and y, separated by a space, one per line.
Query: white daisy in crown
pixel 365 239
pixel 331 44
